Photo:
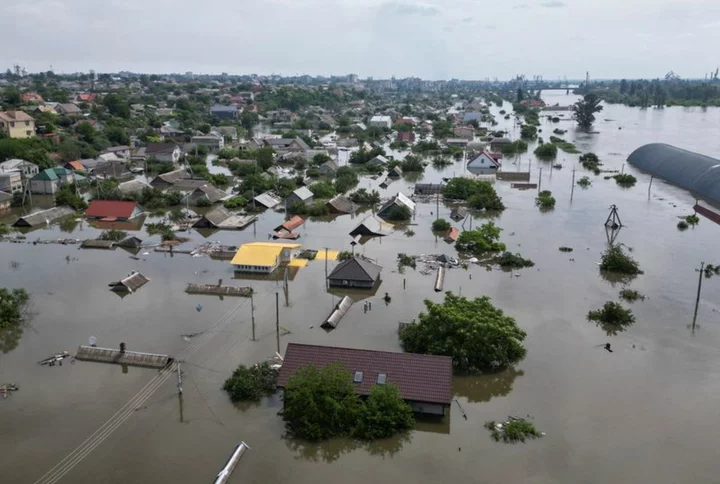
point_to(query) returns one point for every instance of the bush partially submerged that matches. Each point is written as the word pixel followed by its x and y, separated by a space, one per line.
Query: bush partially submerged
pixel 590 161
pixel 692 219
pixel 625 180
pixel 584 182
pixel 405 260
pixel 631 295
pixel 545 200
pixel 509 260
pixel 612 318
pixel 440 225
pixel 485 238
pixel 513 431
pixel 546 151
pixel 616 260
pixel 250 384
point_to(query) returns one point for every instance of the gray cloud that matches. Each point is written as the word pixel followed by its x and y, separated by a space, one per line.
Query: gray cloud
pixel 553 4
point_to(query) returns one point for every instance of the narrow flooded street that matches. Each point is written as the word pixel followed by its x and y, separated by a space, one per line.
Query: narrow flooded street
pixel 643 413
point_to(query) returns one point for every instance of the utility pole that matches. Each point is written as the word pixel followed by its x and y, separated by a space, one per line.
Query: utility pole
pixel 697 298
pixel 326 271
pixel 179 379
pixel 572 188
pixel 437 206
pixel 650 186
pixel 540 180
pixel 277 320
pixel 252 314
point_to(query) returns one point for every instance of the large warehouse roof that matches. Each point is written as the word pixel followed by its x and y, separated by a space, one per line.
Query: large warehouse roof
pixel 697 173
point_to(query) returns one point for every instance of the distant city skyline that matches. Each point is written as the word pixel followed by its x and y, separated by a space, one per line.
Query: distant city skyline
pixel 432 39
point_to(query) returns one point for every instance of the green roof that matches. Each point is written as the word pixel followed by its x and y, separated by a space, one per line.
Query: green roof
pixel 51 173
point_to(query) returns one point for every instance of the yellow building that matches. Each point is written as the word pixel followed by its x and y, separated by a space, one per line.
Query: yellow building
pixel 262 257
pixel 17 124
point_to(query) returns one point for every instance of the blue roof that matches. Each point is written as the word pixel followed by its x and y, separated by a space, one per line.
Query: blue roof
pixel 223 108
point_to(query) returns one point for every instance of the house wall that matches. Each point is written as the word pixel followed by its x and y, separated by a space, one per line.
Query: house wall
pixel 18 129
pixel 173 157
pixel 255 269
pixel 428 408
pixel 482 161
pixel 351 283
pixel 11 182
pixel 44 187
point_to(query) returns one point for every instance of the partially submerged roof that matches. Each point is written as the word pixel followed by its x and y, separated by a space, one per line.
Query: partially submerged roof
pixel 356 269
pixel 43 216
pixel 303 193
pixel 341 204
pixel 268 199
pixel 372 226
pixel 290 225
pixel 132 186
pixel 172 177
pixel 111 208
pixel 694 172
pixel 399 200
pixel 337 313
pixel 262 254
pixel 214 217
pixel 419 378
pixel 131 283
pixel 212 193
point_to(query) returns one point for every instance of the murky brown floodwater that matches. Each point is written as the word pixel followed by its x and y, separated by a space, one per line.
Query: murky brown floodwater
pixel 644 413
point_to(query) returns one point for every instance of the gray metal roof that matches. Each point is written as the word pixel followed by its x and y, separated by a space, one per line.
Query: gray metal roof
pixel 212 193
pixel 43 216
pixel 268 199
pixel 340 310
pixel 132 186
pixel 303 193
pixel 341 204
pixel 356 269
pixel 694 172
pixel 217 215
pixel 372 226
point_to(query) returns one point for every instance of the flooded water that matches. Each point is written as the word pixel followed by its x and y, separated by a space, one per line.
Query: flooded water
pixel 643 413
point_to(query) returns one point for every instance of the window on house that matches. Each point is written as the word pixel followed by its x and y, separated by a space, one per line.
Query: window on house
pixel 382 378
pixel 28 133
pixel 358 377
pixel 27 123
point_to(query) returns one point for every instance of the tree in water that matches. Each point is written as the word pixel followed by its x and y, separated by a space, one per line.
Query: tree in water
pixel 584 110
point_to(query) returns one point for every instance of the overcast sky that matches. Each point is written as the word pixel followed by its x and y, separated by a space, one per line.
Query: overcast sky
pixel 432 39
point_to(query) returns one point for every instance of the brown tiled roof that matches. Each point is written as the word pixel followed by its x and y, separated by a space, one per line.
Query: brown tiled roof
pixel 15 116
pixel 420 378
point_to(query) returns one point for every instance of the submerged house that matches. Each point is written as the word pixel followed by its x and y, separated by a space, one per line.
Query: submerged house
pixel 131 283
pixel 355 273
pixel 207 192
pixel 48 216
pixel 340 204
pixel 262 257
pixel 268 199
pixel 423 381
pixel 372 227
pixel 221 218
pixel 301 195
pixel 399 200
pixel 111 210
pixel 484 161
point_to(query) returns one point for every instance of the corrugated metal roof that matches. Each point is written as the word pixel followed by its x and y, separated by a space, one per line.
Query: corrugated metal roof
pixel 694 172
pixel 303 193
pixel 400 200
pixel 372 226
pixel 212 193
pixel 43 216
pixel 419 378
pixel 262 254
pixel 268 199
pixel 341 204
pixel 131 283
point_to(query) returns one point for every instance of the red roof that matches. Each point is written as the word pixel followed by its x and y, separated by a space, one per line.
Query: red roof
pixel 104 209
pixel 419 378
pixel 408 136
pixel 86 97
pixel 31 96
pixel 291 224
pixel 452 233
pixel 75 165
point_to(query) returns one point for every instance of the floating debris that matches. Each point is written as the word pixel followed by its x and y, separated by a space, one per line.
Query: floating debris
pixel 7 388
pixel 189 336
pixel 565 249
pixel 56 358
